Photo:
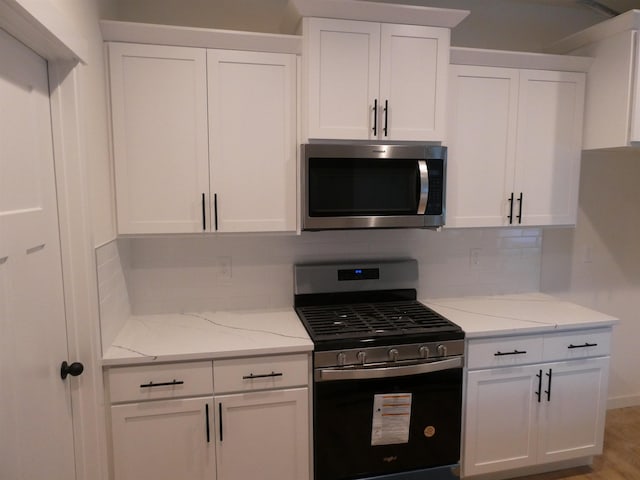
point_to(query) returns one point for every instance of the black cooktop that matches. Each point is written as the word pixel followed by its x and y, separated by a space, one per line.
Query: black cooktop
pixel 353 319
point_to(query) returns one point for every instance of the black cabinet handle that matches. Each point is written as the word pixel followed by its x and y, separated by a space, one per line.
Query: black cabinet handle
pixel 520 208
pixel 510 216
pixel 163 384
pixel 251 376
pixel 215 211
pixel 220 415
pixel 206 412
pixel 204 215
pixel 548 392
pixel 375 117
pixel 515 352
pixel 386 116
pixel 539 392
pixel 587 344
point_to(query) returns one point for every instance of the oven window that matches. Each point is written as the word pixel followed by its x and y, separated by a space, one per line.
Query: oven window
pixel 343 422
pixel 361 187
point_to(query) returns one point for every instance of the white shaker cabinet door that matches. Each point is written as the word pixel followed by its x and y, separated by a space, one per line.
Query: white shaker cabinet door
pixel 572 420
pixel 159 115
pixel 549 146
pixel 342 78
pixel 413 79
pixel 501 419
pixel 483 108
pixel 263 435
pixel 252 140
pixel 164 440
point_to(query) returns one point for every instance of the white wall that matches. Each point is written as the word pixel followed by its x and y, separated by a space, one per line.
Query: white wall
pixel 597 264
pixel 84 15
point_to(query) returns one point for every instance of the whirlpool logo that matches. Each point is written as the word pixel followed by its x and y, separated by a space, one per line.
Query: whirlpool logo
pixel 390 459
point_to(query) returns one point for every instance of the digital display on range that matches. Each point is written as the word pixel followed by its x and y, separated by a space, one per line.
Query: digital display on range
pixel 358 274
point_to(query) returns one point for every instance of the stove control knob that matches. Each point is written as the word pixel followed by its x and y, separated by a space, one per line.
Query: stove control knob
pixel 424 351
pixel 342 358
pixel 393 354
pixel 362 356
pixel 442 350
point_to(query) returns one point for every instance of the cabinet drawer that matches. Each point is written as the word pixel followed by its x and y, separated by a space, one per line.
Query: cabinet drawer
pixel 577 344
pixel 259 373
pixel 504 352
pixel 152 382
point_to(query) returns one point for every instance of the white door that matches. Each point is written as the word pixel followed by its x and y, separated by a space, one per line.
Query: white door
pixel 164 440
pixel 413 78
pixel 483 111
pixel 252 140
pixel 549 146
pixel 501 417
pixel 263 435
pixel 343 78
pixel 572 420
pixel 36 436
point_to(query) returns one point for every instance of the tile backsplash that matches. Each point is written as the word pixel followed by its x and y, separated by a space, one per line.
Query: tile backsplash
pixel 174 274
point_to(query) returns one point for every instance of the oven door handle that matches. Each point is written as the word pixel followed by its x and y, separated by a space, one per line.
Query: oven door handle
pixel 328 374
pixel 424 187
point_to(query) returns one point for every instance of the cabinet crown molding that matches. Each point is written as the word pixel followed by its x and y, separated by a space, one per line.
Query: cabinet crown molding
pixel 627 21
pixel 514 59
pixel 171 35
pixel 371 12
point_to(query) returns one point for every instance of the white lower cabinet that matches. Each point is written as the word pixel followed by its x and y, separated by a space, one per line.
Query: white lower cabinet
pixel 164 440
pixel 523 415
pixel 263 435
pixel 167 423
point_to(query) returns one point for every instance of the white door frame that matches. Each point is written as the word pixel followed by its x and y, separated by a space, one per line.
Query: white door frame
pixel 40 26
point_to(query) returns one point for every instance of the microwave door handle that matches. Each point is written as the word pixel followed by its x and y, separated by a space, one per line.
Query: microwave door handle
pixel 424 186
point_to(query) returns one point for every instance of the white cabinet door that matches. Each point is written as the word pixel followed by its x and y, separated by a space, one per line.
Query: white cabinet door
pixel 342 78
pixel 263 435
pixel 164 440
pixel 573 413
pixel 413 77
pixel 481 137
pixel 549 146
pixel 501 415
pixel 159 114
pixel 252 140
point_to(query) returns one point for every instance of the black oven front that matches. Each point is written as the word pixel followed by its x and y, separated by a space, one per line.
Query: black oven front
pixel 397 422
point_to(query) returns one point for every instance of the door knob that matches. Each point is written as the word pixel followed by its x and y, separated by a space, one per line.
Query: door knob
pixel 75 369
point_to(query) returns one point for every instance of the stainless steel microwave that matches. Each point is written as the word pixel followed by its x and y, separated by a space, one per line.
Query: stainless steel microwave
pixel 348 186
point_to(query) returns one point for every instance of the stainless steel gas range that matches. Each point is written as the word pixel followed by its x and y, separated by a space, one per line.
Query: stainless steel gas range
pixel 387 373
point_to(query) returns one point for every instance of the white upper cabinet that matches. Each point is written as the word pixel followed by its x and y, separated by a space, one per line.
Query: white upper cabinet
pixel 372 81
pixel 159 114
pixel 612 109
pixel 204 140
pixel 514 138
pixel 252 140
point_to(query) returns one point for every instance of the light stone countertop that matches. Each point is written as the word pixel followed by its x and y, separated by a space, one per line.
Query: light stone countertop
pixel 207 335
pixel 499 315
pixel 211 335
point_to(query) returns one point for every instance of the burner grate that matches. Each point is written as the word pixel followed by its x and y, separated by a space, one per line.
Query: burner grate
pixel 371 319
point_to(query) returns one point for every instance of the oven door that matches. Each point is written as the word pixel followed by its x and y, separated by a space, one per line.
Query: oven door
pixel 370 422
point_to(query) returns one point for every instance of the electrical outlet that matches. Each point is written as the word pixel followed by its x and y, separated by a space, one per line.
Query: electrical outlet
pixel 224 268
pixel 474 257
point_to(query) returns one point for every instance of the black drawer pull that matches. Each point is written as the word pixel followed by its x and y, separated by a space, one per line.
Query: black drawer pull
pixel 163 384
pixel 251 376
pixel 587 344
pixel 515 352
